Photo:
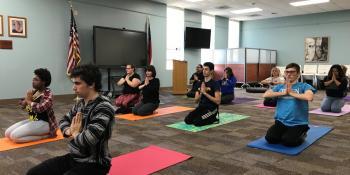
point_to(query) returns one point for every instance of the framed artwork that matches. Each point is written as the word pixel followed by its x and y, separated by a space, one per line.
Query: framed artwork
pixel 1 25
pixel 17 26
pixel 316 50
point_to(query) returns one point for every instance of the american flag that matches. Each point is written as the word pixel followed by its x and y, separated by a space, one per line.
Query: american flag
pixel 149 41
pixel 73 51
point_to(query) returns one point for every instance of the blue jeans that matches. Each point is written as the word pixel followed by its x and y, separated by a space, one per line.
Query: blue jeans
pixel 332 104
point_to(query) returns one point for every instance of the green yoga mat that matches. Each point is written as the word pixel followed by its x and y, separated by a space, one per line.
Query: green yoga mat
pixel 224 119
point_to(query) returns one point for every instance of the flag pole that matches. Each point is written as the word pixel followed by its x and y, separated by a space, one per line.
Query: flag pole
pixel 76 99
pixel 70 3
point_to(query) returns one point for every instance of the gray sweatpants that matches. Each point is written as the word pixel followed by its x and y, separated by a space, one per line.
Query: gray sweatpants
pixel 27 131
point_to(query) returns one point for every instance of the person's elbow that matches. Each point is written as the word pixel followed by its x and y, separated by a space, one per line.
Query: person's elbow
pixel 309 97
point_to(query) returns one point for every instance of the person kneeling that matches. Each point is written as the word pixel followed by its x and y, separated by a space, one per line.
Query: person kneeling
pixel 209 99
pixel 150 94
pixel 336 89
pixel 292 111
pixel 131 93
pixel 227 86
pixel 38 103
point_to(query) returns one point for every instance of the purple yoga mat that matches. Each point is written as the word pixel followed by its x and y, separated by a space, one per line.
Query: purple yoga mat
pixel 240 100
pixel 344 110
pixel 347 98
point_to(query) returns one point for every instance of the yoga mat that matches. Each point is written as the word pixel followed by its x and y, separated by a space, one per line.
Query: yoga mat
pixel 159 112
pixel 344 110
pixel 7 144
pixel 263 106
pixel 240 100
pixel 224 119
pixel 315 133
pixel 347 98
pixel 146 161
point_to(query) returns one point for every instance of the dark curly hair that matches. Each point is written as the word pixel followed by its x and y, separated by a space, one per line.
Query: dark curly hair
pixel 88 73
pixel 340 71
pixel 44 75
pixel 152 69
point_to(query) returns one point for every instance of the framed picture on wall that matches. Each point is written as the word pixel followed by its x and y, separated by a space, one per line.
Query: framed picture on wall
pixel 17 26
pixel 1 25
pixel 316 50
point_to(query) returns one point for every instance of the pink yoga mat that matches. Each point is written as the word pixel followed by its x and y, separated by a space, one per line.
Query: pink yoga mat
pixel 344 110
pixel 146 161
pixel 262 106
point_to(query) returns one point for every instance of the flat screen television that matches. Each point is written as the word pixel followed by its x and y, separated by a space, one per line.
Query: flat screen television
pixel 117 47
pixel 197 38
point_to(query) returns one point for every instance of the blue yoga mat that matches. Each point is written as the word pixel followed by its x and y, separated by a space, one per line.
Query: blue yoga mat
pixel 315 133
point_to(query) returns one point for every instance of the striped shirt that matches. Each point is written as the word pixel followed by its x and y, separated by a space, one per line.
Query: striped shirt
pixel 91 144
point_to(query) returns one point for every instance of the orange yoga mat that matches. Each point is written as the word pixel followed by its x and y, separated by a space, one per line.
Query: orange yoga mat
pixel 7 144
pixel 159 112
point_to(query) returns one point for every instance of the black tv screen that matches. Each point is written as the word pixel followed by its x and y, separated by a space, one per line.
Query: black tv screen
pixel 197 38
pixel 118 47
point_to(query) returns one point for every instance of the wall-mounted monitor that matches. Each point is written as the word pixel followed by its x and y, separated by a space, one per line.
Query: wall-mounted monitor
pixel 197 38
pixel 117 47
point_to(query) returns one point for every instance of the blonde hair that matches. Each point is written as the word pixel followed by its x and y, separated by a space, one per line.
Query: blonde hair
pixel 278 71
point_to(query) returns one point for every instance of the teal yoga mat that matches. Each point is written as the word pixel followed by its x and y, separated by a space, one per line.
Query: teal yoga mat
pixel 224 119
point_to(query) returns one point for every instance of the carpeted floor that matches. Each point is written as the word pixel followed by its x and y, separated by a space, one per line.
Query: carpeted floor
pixel 217 151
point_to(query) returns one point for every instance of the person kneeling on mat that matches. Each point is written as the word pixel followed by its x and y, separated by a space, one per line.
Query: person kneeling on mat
pixel 88 125
pixel 196 80
pixel 150 94
pixel 209 99
pixel 292 111
pixel 272 81
pixel 38 103
pixel 227 86
pixel 131 93
pixel 336 89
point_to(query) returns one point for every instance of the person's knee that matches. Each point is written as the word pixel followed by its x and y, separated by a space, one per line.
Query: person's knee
pixel 324 108
pixel 7 133
pixel 134 111
pixel 336 109
pixel 292 141
pixel 272 140
pixel 188 120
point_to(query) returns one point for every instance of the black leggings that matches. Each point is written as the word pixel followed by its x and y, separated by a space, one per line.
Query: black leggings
pixel 286 135
pixel 65 165
pixel 201 116
pixel 227 98
pixel 144 109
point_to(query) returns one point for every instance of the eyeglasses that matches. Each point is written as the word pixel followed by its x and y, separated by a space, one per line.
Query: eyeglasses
pixel 128 68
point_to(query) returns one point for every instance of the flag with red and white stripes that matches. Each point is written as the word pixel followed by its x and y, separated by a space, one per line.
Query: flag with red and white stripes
pixel 149 41
pixel 73 50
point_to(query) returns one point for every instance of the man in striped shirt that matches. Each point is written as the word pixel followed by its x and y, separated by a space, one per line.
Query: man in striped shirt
pixel 89 126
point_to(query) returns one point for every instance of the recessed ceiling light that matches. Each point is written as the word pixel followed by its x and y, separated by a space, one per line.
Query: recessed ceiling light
pixel 195 0
pixel 308 2
pixel 246 10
